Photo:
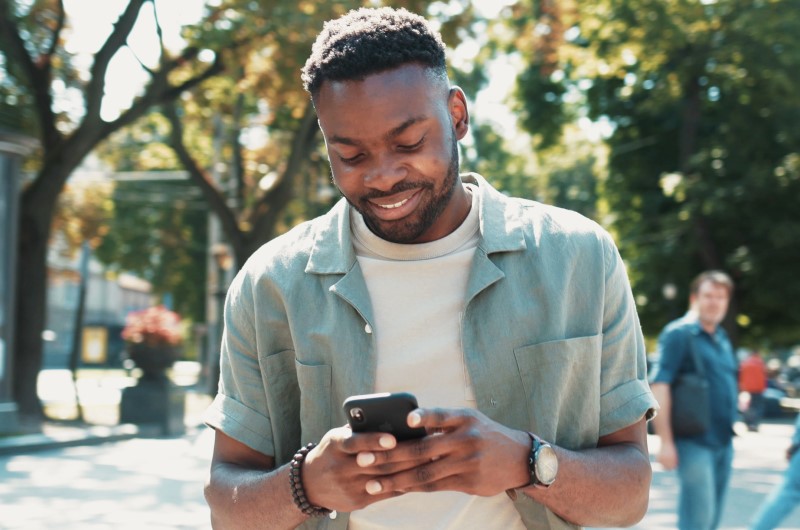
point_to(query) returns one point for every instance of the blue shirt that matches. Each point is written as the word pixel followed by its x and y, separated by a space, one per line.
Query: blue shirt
pixel 674 357
pixel 549 330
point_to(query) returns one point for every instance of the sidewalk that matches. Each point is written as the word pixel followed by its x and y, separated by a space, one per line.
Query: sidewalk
pixel 100 393
pixel 758 463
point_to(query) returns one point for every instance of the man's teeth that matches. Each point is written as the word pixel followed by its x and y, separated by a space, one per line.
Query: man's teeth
pixel 395 205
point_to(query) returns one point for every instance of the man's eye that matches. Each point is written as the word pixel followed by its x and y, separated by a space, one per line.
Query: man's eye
pixel 413 146
pixel 351 159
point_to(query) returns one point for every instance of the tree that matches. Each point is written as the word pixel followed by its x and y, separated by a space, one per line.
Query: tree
pixel 256 157
pixel 703 155
pixel 266 39
pixel 170 220
pixel 32 45
pixel 253 192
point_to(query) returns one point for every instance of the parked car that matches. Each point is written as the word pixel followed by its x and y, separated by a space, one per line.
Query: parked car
pixel 773 408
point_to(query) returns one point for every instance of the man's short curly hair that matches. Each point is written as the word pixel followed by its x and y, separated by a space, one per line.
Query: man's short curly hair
pixel 367 41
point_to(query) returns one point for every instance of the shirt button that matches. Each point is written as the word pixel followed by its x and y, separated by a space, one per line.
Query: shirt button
pixel 368 329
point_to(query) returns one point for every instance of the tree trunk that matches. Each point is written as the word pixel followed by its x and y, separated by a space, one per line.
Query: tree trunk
pixel 31 302
pixel 62 154
pixel 36 209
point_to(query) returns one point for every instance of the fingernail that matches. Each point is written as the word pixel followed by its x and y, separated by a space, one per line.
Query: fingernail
pixel 387 442
pixel 365 459
pixel 414 419
pixel 373 487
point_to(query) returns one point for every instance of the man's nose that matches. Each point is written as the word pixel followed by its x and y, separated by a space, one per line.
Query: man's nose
pixel 385 173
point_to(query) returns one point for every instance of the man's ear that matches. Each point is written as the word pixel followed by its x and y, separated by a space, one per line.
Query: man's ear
pixel 459 115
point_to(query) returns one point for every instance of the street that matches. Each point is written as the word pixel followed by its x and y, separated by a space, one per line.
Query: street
pixel 156 483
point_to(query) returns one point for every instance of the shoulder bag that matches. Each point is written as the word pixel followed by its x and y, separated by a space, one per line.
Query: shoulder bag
pixel 691 410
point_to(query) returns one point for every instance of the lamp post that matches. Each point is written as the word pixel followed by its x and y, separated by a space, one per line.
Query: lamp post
pixel 224 262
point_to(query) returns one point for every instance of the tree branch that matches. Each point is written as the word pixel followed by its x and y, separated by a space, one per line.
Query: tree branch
pixel 216 200
pixel 62 17
pixel 38 79
pixel 117 39
pixel 264 213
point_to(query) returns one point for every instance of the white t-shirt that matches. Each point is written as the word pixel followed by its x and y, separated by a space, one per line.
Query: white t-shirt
pixel 417 294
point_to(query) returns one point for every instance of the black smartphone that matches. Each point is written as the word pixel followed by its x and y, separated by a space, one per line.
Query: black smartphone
pixel 383 412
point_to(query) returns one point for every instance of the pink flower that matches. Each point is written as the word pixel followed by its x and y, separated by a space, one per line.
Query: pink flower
pixel 154 326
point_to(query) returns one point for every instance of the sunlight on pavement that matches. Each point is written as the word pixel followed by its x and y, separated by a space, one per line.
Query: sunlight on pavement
pixel 140 483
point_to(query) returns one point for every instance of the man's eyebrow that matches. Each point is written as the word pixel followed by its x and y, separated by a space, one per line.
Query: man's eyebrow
pixel 397 131
pixel 336 139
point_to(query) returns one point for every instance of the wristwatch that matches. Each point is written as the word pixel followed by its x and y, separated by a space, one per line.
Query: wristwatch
pixel 542 462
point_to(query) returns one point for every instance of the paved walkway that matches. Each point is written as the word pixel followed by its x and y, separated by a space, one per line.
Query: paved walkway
pixel 156 483
pixel 142 483
pixel 757 467
pixel 72 480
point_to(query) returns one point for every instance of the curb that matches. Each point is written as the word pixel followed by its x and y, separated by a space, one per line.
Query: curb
pixel 28 443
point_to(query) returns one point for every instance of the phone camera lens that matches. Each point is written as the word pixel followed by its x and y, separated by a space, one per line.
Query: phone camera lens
pixel 357 414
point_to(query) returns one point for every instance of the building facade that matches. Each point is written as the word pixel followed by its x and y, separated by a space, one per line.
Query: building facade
pixel 13 148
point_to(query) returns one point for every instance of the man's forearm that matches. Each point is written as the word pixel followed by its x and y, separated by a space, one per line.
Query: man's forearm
pixel 247 498
pixel 603 487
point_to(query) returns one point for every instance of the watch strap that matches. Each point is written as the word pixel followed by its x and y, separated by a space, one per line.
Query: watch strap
pixel 536 443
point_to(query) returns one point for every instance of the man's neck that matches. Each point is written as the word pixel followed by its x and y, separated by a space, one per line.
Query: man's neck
pixel 709 326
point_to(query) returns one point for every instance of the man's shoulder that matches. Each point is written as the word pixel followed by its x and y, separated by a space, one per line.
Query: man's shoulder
pixel 292 248
pixel 548 219
pixel 559 219
pixel 684 325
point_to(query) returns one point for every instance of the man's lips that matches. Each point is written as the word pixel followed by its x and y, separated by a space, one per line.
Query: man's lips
pixel 395 206
pixel 392 206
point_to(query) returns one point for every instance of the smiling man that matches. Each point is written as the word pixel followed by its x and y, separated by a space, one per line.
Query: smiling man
pixel 512 323
pixel 391 170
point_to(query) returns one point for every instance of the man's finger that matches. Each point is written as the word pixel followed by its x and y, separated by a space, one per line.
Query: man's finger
pixel 368 442
pixel 439 419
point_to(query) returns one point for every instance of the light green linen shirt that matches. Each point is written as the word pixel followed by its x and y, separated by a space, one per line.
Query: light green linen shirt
pixel 550 333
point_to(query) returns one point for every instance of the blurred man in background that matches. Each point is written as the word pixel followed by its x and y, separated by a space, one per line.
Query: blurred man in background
pixel 703 461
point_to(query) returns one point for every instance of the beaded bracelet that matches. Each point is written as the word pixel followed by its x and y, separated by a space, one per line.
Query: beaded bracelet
pixel 296 483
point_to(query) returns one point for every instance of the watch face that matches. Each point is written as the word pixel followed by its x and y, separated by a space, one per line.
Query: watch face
pixel 546 465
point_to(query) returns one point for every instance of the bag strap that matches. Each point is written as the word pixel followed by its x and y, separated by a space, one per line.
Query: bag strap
pixel 698 361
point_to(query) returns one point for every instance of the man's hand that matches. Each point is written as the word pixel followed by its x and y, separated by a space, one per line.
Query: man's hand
pixel 337 472
pixel 668 456
pixel 466 452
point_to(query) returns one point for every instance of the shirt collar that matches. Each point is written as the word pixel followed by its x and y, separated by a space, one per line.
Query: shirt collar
pixel 499 222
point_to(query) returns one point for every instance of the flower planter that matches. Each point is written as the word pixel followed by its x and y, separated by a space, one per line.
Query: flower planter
pixel 153 361
pixel 153 336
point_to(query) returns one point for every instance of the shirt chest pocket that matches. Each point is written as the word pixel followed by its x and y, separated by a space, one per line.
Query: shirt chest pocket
pixel 561 380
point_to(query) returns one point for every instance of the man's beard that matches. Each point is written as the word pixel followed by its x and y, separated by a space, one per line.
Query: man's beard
pixel 408 230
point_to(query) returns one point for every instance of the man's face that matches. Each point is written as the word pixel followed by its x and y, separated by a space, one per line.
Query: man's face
pixel 392 144
pixel 711 302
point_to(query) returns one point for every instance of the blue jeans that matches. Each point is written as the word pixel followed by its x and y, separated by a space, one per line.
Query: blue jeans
pixel 755 411
pixel 782 500
pixel 704 473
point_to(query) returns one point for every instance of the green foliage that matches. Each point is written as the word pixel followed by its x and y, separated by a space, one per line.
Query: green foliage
pixel 239 129
pixel 703 153
pixel 159 231
pixel 548 116
pixel 37 20
pixel 83 213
